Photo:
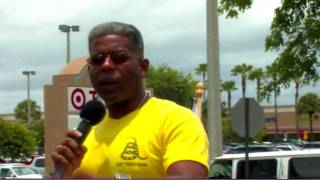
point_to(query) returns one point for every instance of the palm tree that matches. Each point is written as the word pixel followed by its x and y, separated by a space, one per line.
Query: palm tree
pixel 242 70
pixel 202 70
pixel 309 103
pixel 297 83
pixel 229 86
pixel 274 86
pixel 257 74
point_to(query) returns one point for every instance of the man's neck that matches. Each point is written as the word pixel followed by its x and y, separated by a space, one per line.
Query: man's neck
pixel 121 109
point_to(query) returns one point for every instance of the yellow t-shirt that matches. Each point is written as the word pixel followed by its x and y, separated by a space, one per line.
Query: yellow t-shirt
pixel 144 143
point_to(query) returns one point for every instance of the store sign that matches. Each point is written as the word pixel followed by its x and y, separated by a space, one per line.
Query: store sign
pixel 79 96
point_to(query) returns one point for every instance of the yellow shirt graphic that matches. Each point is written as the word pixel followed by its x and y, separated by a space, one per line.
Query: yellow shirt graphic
pixel 144 143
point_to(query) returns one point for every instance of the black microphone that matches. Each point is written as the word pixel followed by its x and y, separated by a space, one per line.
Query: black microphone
pixel 91 114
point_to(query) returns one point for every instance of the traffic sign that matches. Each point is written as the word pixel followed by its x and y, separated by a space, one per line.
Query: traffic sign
pixel 255 117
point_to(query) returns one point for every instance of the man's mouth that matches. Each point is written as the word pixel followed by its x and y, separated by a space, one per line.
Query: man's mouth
pixel 108 83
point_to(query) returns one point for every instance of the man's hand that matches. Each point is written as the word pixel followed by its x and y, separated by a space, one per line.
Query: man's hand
pixel 69 154
pixel 187 170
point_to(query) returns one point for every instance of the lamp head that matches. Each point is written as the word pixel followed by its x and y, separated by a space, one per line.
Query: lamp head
pixel 64 28
pixel 75 28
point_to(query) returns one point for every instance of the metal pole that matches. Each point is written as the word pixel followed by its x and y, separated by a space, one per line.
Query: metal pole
pixel 243 82
pixel 214 106
pixel 247 129
pixel 28 97
pixel 68 46
pixel 66 29
pixel 311 127
pixel 296 96
pixel 276 114
pixel 28 74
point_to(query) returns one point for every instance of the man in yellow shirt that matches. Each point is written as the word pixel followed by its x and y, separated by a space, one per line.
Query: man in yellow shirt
pixel 140 137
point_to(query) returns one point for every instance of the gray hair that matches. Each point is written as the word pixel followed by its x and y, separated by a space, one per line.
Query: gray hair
pixel 127 30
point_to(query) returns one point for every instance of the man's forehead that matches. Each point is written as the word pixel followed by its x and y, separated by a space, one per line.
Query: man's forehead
pixel 110 40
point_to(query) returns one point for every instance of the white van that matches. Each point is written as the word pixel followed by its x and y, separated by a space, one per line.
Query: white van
pixel 268 165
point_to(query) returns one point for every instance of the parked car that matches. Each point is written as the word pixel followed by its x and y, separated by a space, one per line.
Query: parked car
pixel 312 145
pixel 252 148
pixel 228 146
pixel 19 171
pixel 2 161
pixel 37 164
pixel 287 147
pixel 22 160
pixel 297 142
pixel 268 165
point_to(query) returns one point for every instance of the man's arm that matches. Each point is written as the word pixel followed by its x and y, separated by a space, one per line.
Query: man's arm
pixel 186 149
pixel 187 169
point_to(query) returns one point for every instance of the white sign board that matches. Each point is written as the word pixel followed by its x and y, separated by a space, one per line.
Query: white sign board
pixel 79 96
pixel 73 121
pixel 149 92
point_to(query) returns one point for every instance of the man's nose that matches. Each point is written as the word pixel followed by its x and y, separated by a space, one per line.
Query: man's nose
pixel 108 63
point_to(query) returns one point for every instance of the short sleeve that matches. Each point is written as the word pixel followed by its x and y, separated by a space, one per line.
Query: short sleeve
pixel 184 138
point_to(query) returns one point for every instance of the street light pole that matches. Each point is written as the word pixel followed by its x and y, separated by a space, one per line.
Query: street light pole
pixel 214 105
pixel 28 73
pixel 68 47
pixel 67 29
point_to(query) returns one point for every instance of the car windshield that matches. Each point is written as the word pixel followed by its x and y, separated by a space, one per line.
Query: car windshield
pixel 312 146
pixel 39 163
pixel 23 170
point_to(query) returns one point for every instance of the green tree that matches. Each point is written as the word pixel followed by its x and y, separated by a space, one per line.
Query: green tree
pixel 228 86
pixel 17 141
pixel 171 84
pixel 298 82
pixel 232 7
pixel 294 33
pixel 242 70
pixel 21 110
pixel 257 74
pixel 202 70
pixel 272 85
pixel 309 104
pixel 38 129
pixel 224 111
pixel 228 134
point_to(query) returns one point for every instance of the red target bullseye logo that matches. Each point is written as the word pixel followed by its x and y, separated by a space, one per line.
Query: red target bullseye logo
pixel 78 98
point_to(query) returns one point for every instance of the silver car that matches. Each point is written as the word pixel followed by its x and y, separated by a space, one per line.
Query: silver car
pixel 38 164
pixel 19 171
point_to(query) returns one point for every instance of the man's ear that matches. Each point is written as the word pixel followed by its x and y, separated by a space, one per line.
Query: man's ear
pixel 144 65
pixel 88 64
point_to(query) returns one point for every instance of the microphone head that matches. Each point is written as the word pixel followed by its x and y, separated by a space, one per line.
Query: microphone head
pixel 93 111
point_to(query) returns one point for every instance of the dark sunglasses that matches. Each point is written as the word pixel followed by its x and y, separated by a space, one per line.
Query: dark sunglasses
pixel 116 58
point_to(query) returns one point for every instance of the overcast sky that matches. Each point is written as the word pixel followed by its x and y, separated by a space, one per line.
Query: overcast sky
pixel 174 33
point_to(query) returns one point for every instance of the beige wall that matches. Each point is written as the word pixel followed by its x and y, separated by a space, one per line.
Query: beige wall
pixel 56 105
pixel 286 120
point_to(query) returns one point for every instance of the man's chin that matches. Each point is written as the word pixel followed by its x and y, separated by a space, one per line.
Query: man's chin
pixel 111 99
